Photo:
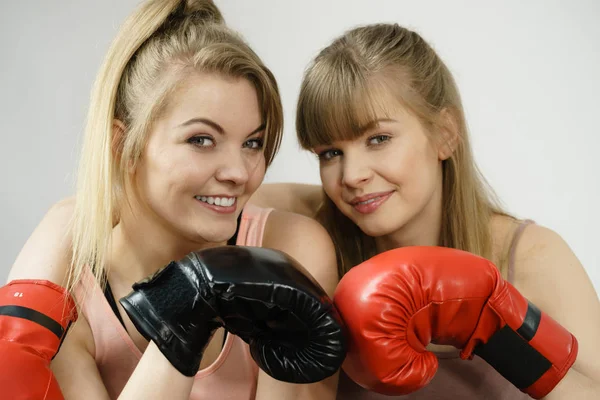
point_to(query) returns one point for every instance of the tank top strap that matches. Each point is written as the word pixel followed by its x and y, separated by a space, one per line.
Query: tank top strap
pixel 513 246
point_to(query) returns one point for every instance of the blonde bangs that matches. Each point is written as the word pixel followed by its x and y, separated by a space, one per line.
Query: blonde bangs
pixel 337 105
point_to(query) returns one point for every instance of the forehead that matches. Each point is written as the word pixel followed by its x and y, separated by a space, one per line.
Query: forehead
pixel 345 118
pixel 230 101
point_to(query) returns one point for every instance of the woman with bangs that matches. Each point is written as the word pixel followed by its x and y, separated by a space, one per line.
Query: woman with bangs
pixel 384 116
pixel 184 121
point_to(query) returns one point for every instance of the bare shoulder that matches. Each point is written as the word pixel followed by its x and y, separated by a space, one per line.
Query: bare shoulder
pixel 544 263
pixel 305 240
pixel 298 198
pixel 541 252
pixel 47 252
pixel 549 274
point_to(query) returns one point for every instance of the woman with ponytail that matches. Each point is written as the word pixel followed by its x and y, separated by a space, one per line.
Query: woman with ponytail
pixel 184 119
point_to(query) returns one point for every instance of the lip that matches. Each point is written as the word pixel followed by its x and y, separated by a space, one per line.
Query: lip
pixel 219 209
pixel 374 201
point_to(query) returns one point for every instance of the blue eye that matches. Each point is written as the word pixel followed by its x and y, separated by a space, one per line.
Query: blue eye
pixel 202 141
pixel 255 144
pixel 378 139
pixel 329 154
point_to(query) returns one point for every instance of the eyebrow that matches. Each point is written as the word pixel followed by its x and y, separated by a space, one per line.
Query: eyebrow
pixel 373 124
pixel 216 126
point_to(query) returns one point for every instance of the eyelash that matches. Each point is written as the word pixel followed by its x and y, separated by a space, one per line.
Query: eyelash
pixel 259 143
pixel 195 140
pixel 323 155
pixel 382 138
pixel 255 144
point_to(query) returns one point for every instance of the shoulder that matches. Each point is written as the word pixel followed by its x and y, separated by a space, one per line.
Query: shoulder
pixel 298 198
pixel 544 264
pixel 47 252
pixel 549 274
pixel 305 240
pixel 295 232
pixel 541 251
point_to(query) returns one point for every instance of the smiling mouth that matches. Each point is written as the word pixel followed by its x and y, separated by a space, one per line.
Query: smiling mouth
pixel 371 204
pixel 367 201
pixel 217 201
pixel 371 198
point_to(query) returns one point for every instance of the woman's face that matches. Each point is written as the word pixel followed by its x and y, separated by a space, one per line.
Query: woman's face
pixel 203 158
pixel 386 178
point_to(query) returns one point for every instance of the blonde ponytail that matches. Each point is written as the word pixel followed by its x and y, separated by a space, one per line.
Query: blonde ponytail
pixel 159 32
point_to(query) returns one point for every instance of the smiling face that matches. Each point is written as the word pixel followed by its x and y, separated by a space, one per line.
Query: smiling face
pixel 203 159
pixel 387 177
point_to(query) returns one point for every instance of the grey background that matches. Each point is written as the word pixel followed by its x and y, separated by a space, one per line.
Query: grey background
pixel 528 73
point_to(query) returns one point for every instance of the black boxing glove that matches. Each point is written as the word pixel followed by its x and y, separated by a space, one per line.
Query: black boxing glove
pixel 261 295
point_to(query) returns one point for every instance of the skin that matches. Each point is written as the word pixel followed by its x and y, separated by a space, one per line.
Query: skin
pixel 183 158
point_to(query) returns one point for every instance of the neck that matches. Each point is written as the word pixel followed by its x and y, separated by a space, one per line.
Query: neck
pixel 141 245
pixel 422 230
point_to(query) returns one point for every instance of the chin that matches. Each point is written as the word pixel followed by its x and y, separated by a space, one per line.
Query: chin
pixel 377 227
pixel 374 231
pixel 212 237
pixel 216 235
pixel 212 232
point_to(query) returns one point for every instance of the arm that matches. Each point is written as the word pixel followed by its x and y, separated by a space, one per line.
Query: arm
pixel 47 252
pixel 297 198
pixel 550 276
pixel 47 255
pixel 36 310
pixel 76 371
pixel 74 366
pixel 311 246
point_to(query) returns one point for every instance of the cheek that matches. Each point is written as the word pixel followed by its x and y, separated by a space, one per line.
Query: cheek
pixel 413 171
pixel 330 181
pixel 256 173
pixel 170 170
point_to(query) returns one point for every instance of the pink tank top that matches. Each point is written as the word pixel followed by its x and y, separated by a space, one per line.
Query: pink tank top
pixel 455 378
pixel 234 373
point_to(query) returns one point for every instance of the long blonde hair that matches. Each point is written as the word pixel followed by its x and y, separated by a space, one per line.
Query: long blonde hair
pixel 338 96
pixel 156 47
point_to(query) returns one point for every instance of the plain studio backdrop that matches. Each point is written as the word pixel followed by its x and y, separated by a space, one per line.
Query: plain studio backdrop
pixel 527 71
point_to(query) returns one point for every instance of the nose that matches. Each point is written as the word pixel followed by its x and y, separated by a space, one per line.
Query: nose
pixel 355 172
pixel 234 168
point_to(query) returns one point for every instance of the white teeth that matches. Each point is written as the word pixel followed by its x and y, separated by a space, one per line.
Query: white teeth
pixel 368 201
pixel 218 201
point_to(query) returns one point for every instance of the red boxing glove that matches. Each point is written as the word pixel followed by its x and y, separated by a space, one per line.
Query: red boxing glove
pixel 34 318
pixel 397 302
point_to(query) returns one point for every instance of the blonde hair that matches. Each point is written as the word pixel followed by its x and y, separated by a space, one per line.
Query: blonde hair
pixel 339 96
pixel 161 42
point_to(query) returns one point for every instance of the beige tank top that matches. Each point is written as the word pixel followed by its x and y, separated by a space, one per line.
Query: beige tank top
pixel 233 375
pixel 455 379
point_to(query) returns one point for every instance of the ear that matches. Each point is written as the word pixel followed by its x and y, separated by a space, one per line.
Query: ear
pixel 449 135
pixel 118 137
